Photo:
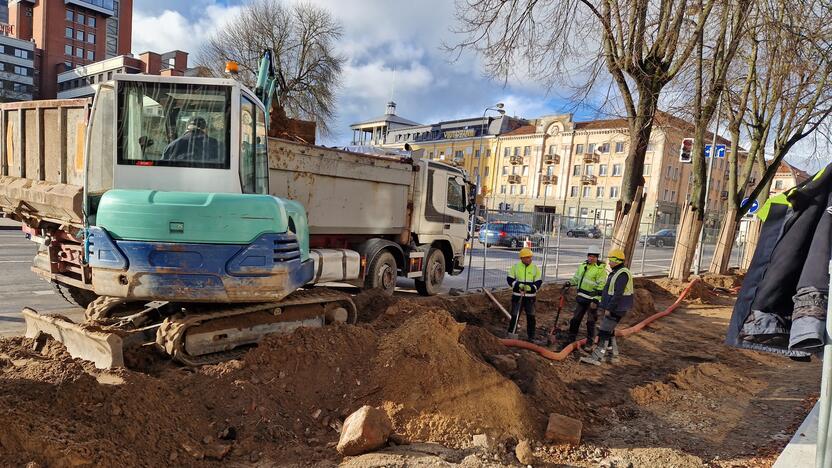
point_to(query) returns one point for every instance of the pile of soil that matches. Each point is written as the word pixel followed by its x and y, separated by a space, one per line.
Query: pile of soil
pixel 435 365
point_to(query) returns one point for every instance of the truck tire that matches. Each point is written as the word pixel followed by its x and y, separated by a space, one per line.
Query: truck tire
pixel 382 273
pixel 74 295
pixel 434 274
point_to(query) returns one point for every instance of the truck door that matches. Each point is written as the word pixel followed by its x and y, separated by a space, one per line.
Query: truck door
pixel 456 225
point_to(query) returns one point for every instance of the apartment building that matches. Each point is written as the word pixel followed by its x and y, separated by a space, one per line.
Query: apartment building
pixel 17 69
pixel 786 177
pixel 82 81
pixel 71 33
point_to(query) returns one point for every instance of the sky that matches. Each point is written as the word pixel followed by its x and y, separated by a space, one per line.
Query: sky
pixel 392 50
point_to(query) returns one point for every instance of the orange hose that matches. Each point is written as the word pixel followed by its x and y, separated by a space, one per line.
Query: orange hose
pixel 562 354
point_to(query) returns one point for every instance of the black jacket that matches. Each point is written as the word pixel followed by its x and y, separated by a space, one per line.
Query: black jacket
pixel 781 307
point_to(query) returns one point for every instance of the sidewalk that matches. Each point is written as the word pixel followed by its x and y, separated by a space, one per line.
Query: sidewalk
pixel 8 225
pixel 800 452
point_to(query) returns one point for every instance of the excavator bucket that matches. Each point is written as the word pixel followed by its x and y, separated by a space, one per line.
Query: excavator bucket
pixel 105 350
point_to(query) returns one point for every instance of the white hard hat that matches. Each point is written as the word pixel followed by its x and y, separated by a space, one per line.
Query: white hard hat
pixel 593 251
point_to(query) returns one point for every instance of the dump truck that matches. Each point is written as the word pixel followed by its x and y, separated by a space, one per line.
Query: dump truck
pixel 164 208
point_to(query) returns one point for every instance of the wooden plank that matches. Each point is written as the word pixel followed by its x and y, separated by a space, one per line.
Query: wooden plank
pixel 61 146
pixel 20 142
pixel 52 144
pixel 31 143
pixel 38 146
pixel 4 161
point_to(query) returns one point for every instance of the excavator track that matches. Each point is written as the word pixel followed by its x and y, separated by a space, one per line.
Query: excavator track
pixel 197 338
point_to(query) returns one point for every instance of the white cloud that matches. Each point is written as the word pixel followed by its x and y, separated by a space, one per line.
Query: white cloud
pixel 171 30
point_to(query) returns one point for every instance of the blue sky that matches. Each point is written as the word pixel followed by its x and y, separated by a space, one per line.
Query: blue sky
pixel 389 46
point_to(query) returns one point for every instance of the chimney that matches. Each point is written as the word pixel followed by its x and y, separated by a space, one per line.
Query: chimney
pixel 391 108
pixel 152 63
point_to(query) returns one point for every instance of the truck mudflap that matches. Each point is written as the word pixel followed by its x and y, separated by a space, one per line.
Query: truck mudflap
pixel 104 349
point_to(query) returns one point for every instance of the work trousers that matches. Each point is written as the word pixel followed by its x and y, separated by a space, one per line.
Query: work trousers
pixel 608 324
pixel 582 307
pixel 527 304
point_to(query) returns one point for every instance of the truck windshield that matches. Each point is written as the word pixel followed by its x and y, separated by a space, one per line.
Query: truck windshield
pixel 171 124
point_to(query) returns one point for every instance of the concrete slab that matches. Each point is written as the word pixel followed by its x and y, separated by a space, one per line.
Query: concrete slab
pixel 8 224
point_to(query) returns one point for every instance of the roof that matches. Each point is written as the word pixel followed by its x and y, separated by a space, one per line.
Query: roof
pixel 799 174
pixel 601 124
pixel 522 130
pixel 389 118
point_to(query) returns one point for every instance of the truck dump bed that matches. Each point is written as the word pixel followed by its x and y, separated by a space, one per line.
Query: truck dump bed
pixel 42 159
pixel 344 193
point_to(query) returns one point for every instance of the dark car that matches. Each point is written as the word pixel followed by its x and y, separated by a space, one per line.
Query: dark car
pixel 665 237
pixel 509 234
pixel 587 231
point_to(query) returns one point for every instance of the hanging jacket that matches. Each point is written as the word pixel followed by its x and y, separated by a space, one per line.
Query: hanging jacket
pixel 525 280
pixel 617 295
pixel 781 307
pixel 590 280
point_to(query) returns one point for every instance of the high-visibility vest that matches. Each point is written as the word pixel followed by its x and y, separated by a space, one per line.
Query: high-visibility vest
pixel 523 273
pixel 628 289
pixel 589 280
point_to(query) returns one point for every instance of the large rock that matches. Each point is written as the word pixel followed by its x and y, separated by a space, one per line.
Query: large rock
pixel 524 453
pixel 364 430
pixel 563 429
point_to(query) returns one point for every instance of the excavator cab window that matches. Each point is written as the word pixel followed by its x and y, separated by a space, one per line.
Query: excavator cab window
pixel 254 156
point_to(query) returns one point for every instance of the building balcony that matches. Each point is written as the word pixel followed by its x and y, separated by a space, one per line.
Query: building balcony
pixel 590 158
pixel 514 179
pixel 515 160
pixel 589 180
pixel 551 159
pixel 106 7
pixel 549 179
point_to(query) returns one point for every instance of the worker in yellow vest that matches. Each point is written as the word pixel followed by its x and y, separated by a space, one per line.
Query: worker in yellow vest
pixel 616 299
pixel 525 280
pixel 589 278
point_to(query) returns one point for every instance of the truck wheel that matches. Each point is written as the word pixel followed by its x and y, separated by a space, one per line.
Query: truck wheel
pixel 434 274
pixel 382 273
pixel 74 295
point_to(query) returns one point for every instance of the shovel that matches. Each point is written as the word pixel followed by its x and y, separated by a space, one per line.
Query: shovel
pixel 552 339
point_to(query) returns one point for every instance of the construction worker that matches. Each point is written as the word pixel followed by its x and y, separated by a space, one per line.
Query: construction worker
pixel 616 300
pixel 589 279
pixel 525 280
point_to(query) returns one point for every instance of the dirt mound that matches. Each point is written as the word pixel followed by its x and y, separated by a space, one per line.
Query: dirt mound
pixel 703 378
pixel 643 307
pixel 722 281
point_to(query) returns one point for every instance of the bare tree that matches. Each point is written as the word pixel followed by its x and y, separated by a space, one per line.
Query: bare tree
pixel 302 38
pixel 708 85
pixel 786 97
pixel 642 44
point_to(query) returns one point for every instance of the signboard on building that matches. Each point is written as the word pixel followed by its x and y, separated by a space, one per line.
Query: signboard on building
pixel 453 134
pixel 7 29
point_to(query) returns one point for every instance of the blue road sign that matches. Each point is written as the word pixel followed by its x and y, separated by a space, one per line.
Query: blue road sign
pixel 754 206
pixel 720 151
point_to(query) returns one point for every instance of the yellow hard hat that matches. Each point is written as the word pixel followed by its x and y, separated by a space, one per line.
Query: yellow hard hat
pixel 525 253
pixel 617 254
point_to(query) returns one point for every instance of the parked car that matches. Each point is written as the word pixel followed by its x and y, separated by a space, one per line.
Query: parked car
pixel 665 237
pixel 511 235
pixel 586 231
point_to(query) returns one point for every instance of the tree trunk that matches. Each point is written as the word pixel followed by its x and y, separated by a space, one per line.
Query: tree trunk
pixel 687 238
pixel 626 226
pixel 725 242
pixel 752 236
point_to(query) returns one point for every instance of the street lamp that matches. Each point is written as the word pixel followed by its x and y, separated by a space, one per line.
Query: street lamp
pixel 499 107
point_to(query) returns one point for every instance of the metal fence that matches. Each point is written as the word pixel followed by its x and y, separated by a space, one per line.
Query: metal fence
pixel 560 244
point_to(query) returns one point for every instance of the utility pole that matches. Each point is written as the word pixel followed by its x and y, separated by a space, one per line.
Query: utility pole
pixel 700 250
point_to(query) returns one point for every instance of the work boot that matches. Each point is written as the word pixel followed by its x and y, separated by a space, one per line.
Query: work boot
pixel 596 358
pixel 612 352
pixel 587 348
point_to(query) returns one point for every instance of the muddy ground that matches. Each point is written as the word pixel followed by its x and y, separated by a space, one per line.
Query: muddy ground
pixel 679 397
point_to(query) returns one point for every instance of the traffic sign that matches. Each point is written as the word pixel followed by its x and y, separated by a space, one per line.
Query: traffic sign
pixel 720 151
pixel 754 206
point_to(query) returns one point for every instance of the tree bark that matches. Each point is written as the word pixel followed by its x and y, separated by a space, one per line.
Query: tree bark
pixel 752 236
pixel 626 224
pixel 687 237
pixel 725 242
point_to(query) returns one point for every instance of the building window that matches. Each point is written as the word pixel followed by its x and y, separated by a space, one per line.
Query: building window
pixel 91 21
pixel 778 185
pixel 79 34
pixel 525 171
pixel 68 65
pixel 587 191
pixel 591 148
pixel 68 49
pixel 485 172
pixel 602 170
pixel 69 15
pixel 91 38
pixel 579 149
pixel 664 198
pixel 522 190
pixel 477 154
pixel 458 155
pixel 571 211
pixel 669 172
pixel 551 149
pixel 646 170
pixel 619 146
pixel 513 189
pixel 80 18
pixel 69 32
pixel 527 150
pixel 79 52
pixel 613 192
pixel 488 152
pixel 589 169
pixel 517 151
pixel 605 148
pixel 573 191
pixel 20 53
pixel 506 152
pixel 502 189
pixel 673 195
pixel 23 71
pixel 616 169
pixel 576 170
pixel 599 192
